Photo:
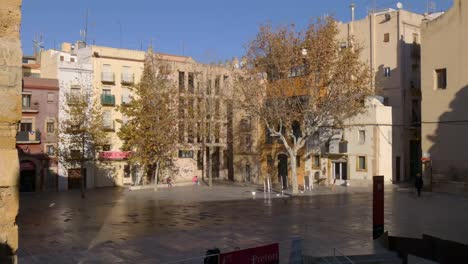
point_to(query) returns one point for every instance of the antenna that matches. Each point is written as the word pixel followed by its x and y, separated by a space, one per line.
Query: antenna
pixel 84 33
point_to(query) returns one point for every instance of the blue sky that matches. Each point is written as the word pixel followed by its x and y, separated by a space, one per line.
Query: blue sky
pixel 207 30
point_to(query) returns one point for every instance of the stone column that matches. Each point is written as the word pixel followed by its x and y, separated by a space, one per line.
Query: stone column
pixel 10 114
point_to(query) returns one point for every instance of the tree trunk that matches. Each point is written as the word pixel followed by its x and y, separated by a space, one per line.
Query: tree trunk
pixel 156 174
pixel 210 167
pixel 295 188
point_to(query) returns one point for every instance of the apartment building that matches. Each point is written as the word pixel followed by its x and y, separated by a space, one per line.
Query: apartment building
pixel 36 139
pixel 74 76
pixel 390 42
pixel 445 96
pixel 205 118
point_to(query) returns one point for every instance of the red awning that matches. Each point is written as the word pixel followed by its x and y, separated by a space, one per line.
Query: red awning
pixel 114 155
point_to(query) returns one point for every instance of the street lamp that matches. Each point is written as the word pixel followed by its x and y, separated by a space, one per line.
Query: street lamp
pixel 304 52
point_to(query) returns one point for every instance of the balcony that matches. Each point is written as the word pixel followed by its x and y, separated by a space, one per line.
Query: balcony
pixel 128 78
pixel 108 100
pixel 108 125
pixel 107 77
pixel 28 137
pixel 338 147
pixel 34 108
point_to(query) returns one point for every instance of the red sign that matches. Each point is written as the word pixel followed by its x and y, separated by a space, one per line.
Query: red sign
pixel 268 254
pixel 114 155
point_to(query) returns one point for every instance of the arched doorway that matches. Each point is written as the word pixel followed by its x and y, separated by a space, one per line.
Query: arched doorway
pixel 27 176
pixel 283 170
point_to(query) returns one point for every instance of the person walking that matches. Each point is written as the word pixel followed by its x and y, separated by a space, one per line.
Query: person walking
pixel 418 183
pixel 169 182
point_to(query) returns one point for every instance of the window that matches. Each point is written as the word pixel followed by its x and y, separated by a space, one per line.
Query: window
pixel 441 79
pixel 62 58
pixel 107 119
pixel 387 72
pixel 106 92
pixel 190 133
pixel 185 153
pixel 127 171
pixel 26 125
pixel 72 59
pixel 217 84
pixel 106 147
pixel 298 161
pixel 386 37
pixel 316 162
pixel 191 86
pixel 181 81
pixel 362 137
pixel 50 150
pixel 74 153
pixel 26 101
pixel 362 163
pixel 50 126
pixel 50 97
pixel 75 90
pixel 415 38
pixel 106 68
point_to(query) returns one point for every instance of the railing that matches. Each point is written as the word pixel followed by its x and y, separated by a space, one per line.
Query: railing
pixel 32 108
pixel 108 77
pixel 128 78
pixel 107 99
pixel 27 137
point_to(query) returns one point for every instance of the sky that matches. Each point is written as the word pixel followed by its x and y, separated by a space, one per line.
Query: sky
pixel 207 30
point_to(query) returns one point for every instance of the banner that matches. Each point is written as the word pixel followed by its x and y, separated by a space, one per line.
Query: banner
pixel 268 254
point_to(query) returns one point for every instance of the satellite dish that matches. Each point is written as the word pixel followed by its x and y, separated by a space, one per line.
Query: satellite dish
pixel 399 5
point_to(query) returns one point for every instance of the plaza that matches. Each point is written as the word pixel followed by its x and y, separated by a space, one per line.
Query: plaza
pixel 172 224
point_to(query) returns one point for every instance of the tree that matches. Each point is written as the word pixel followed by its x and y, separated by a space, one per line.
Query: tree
pixel 81 132
pixel 150 132
pixel 296 82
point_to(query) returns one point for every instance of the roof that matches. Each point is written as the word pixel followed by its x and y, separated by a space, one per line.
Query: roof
pixel 32 66
pixel 40 83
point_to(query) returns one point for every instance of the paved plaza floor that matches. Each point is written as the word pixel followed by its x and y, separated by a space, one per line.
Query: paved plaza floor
pixel 170 224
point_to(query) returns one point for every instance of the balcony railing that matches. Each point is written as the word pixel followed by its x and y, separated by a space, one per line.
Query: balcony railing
pixel 108 77
pixel 109 125
pixel 32 108
pixel 108 100
pixel 128 78
pixel 28 137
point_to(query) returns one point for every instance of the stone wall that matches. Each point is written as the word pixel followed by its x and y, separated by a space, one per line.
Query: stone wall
pixel 10 114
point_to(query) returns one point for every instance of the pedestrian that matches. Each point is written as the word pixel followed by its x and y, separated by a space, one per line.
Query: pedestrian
pixel 418 183
pixel 195 180
pixel 169 182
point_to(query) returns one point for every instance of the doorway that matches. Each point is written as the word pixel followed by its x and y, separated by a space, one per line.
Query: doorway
pixel 27 176
pixel 74 179
pixel 340 171
pixel 247 173
pixel 283 170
